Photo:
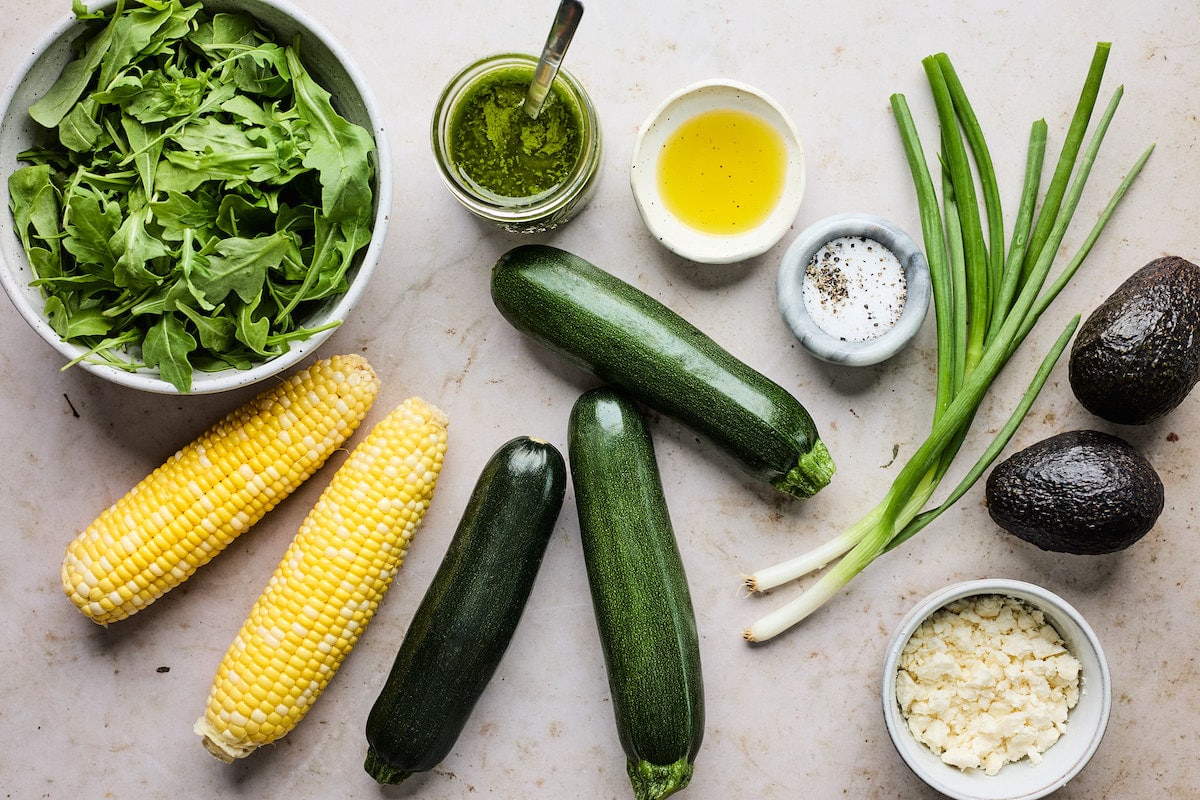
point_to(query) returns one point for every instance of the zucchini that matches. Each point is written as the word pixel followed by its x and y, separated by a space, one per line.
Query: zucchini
pixel 639 592
pixel 469 612
pixel 630 340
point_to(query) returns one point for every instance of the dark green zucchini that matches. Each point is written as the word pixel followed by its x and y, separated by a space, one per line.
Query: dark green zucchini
pixel 632 341
pixel 639 593
pixel 469 612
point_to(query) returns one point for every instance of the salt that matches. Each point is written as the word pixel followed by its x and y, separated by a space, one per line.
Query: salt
pixel 854 288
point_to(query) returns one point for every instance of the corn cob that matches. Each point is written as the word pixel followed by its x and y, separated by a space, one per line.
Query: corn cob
pixel 204 496
pixel 328 585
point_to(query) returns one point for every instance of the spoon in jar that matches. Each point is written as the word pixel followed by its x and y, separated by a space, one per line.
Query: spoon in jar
pixel 561 33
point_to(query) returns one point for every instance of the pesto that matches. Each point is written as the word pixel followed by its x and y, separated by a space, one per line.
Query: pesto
pixel 495 145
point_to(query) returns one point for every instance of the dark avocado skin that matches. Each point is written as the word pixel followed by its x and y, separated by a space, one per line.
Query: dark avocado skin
pixel 1082 492
pixel 1138 355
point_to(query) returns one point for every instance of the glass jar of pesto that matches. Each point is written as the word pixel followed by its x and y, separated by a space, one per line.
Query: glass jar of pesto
pixel 526 175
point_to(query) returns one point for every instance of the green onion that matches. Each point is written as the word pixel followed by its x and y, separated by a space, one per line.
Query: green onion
pixel 986 301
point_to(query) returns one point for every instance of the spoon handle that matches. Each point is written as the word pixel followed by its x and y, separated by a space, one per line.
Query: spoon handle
pixel 561 33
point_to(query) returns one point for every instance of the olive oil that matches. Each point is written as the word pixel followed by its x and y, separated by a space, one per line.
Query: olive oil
pixel 722 171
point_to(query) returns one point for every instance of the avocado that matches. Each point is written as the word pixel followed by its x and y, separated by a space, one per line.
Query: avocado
pixel 1137 356
pixel 1082 492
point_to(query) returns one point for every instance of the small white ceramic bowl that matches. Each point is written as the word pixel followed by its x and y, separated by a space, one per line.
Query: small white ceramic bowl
pixel 681 238
pixel 329 64
pixel 789 289
pixel 1020 780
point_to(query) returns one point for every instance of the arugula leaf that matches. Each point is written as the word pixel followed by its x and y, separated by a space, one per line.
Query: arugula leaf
pixel 130 34
pixel 241 265
pixel 71 322
pixel 246 60
pixel 252 331
pixel 93 223
pixel 249 112
pixel 121 92
pixel 70 86
pixel 81 11
pixel 340 151
pixel 146 146
pixel 167 346
pixel 238 216
pixel 216 330
pixel 34 204
pixel 79 130
pixel 335 244
pixel 46 265
pixel 176 27
pixel 258 164
pixel 135 248
pixel 179 212
pixel 168 94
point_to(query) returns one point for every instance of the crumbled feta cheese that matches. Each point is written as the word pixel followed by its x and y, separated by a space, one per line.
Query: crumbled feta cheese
pixel 986 681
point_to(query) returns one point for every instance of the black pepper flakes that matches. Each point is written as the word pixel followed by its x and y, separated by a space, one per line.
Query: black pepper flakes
pixel 853 293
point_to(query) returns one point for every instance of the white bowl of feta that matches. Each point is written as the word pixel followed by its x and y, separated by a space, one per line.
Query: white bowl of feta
pixel 995 689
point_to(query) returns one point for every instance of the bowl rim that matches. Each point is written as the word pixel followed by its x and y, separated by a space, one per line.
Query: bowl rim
pixel 676 236
pixel 224 380
pixel 1095 689
pixel 789 289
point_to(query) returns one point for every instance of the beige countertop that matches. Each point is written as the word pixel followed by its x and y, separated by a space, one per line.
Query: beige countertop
pixel 87 712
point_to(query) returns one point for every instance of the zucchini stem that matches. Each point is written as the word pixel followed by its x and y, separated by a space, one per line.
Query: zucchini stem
pixel 384 773
pixel 813 471
pixel 654 782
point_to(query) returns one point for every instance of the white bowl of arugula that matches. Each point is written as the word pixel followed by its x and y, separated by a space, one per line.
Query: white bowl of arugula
pixel 197 193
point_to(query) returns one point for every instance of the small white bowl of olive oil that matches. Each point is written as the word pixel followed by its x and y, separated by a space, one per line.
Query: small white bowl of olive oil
pixel 718 172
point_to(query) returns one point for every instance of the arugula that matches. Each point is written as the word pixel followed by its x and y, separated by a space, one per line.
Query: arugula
pixel 196 196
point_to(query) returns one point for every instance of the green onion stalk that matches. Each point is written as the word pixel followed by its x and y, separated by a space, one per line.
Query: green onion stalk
pixel 986 297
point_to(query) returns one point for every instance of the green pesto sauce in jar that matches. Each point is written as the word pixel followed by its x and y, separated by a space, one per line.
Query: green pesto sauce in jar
pixel 500 150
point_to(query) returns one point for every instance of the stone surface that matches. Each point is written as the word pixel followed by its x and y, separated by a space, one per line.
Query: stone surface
pixel 91 712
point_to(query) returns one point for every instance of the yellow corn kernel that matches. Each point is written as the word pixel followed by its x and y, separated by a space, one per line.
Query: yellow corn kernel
pixel 328 584
pixel 186 511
